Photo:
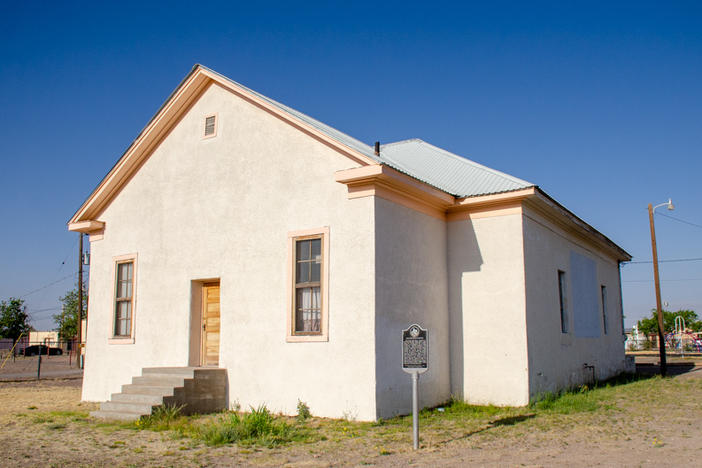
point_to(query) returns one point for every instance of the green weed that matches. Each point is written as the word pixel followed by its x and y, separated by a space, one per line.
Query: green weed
pixel 163 418
pixel 259 427
pixel 567 402
pixel 303 411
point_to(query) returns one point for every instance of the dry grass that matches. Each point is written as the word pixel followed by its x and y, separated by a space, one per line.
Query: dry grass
pixel 650 421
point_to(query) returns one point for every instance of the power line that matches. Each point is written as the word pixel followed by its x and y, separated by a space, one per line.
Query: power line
pixel 668 280
pixel 697 259
pixel 47 285
pixel 63 263
pixel 680 220
pixel 44 310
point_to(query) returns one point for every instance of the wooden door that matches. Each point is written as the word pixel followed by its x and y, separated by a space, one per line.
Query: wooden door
pixel 209 355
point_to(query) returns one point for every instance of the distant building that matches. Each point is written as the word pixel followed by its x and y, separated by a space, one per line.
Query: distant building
pixel 48 338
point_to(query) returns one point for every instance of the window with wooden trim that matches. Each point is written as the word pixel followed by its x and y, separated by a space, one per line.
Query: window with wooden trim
pixel 210 128
pixel 563 300
pixel 308 299
pixel 603 296
pixel 124 298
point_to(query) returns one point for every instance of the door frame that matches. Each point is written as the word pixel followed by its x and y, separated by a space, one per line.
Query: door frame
pixel 197 300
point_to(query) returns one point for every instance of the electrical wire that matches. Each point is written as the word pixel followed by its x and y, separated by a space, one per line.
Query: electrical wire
pixel 680 220
pixel 698 259
pixel 47 285
pixel 663 280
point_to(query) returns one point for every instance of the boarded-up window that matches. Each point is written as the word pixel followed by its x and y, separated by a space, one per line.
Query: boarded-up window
pixel 584 296
pixel 124 299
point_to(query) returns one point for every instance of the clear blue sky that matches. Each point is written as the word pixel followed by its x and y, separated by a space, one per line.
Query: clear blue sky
pixel 599 104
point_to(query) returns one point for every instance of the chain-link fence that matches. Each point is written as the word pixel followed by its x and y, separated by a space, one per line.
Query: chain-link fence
pixel 39 359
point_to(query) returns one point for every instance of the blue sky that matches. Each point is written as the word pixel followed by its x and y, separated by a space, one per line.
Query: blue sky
pixel 600 104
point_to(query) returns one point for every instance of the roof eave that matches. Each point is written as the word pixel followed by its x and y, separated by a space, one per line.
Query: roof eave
pixel 542 201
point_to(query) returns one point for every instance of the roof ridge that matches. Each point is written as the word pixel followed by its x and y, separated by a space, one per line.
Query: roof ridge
pixel 400 142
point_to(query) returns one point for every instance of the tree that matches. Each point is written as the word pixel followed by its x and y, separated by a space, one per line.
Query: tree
pixel 649 325
pixel 67 318
pixel 14 320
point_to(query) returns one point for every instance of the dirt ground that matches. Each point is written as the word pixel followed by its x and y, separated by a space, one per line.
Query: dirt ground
pixel 651 422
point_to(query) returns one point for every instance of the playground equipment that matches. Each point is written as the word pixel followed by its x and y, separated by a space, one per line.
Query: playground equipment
pixel 679 330
pixel 677 338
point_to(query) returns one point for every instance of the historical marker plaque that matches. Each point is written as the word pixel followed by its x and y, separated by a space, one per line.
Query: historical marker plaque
pixel 415 349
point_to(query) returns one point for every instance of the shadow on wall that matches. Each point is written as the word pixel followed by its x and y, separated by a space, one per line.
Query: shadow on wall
pixel 463 256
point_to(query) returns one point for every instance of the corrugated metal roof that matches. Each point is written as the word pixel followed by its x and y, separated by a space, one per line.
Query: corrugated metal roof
pixel 449 172
pixel 446 171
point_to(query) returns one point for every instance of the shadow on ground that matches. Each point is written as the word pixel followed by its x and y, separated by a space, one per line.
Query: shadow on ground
pixel 677 368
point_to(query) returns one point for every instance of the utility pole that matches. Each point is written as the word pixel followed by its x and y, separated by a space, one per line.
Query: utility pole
pixel 659 309
pixel 80 300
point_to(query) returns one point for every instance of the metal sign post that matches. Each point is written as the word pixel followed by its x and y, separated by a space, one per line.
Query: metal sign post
pixel 415 354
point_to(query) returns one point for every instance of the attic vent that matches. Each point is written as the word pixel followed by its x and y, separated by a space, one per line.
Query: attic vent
pixel 210 126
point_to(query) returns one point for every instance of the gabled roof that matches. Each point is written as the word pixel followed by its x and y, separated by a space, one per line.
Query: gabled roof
pixel 437 167
pixel 460 182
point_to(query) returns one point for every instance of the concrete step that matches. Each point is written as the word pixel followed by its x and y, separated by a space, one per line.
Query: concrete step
pixel 163 390
pixel 115 415
pixel 137 398
pixel 160 380
pixel 187 372
pixel 127 407
pixel 194 389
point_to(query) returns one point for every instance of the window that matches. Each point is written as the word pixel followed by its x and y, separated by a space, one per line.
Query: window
pixel 308 297
pixel 603 295
pixel 307 320
pixel 562 296
pixel 125 281
pixel 210 126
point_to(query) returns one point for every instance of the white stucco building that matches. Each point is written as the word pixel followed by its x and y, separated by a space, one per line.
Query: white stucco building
pixel 238 233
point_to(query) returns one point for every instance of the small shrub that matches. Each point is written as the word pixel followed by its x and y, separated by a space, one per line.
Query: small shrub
pixel 163 418
pixel 258 427
pixel 303 411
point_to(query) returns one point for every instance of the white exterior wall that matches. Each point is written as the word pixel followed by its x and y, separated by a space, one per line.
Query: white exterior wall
pixel 410 256
pixel 557 360
pixel 487 310
pixel 221 208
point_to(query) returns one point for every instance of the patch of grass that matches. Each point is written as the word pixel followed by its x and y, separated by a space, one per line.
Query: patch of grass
pixel 457 407
pixel 164 418
pixel 42 418
pixel 567 402
pixel 59 419
pixel 588 399
pixel 259 427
